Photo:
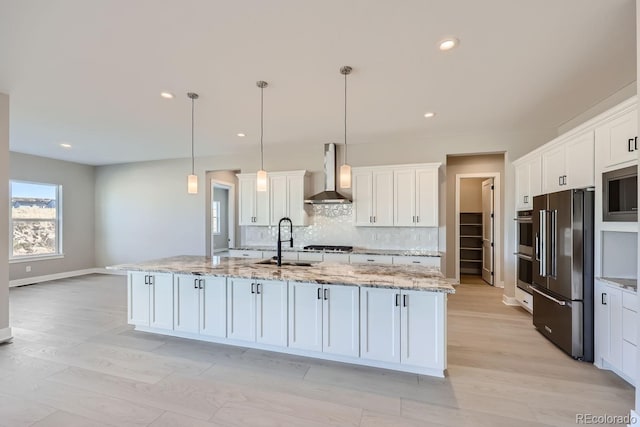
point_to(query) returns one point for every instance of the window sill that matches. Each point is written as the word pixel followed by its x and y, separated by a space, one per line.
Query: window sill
pixel 35 258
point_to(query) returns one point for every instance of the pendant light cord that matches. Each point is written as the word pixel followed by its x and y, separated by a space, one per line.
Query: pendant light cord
pixel 192 122
pixel 261 127
pixel 345 118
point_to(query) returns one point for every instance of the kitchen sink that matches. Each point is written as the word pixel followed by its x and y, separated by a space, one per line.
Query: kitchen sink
pixel 286 263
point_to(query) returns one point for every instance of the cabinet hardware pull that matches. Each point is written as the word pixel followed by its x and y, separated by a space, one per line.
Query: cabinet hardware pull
pixel 253 290
pixel 629 149
pixel 370 219
pixel 560 180
pixel 564 180
pixel 417 218
pixel 257 288
pixel 319 293
pixel 415 262
pixel 151 279
pixel 413 219
pixel 397 300
pixel 200 282
pixel 603 298
pixel 635 143
pixel 326 294
pixel 146 279
pixel 370 260
pixel 404 300
pixel 195 283
pixel 374 218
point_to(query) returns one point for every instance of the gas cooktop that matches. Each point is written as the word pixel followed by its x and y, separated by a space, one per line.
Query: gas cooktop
pixel 328 248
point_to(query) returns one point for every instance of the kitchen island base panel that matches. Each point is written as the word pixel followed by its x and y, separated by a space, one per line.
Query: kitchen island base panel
pixel 432 372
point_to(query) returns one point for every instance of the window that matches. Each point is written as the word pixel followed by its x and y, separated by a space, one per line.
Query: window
pixel 35 220
pixel 215 217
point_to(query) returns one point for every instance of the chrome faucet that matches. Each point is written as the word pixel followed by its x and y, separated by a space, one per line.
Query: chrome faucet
pixel 279 253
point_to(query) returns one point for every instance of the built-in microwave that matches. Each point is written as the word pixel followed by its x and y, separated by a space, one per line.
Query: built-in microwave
pixel 620 195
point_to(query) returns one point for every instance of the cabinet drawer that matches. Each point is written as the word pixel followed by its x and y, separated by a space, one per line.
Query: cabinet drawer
pixel 630 301
pixel 271 254
pixel 289 256
pixel 338 258
pixel 310 256
pixel 371 259
pixel 245 254
pixel 428 261
pixel 525 299
pixel 629 326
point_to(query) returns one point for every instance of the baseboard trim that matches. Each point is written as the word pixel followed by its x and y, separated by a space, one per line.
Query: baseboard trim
pixel 50 277
pixel 103 270
pixel 5 335
pixel 506 300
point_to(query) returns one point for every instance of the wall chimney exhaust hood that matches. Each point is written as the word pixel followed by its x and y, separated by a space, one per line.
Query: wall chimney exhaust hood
pixel 329 195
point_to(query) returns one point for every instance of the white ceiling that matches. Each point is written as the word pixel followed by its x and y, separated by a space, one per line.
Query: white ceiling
pixel 90 72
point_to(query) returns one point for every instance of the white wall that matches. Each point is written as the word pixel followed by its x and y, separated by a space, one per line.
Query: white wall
pixel 78 212
pixel 5 330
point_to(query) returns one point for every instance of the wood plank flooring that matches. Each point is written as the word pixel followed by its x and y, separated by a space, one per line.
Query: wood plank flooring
pixel 75 362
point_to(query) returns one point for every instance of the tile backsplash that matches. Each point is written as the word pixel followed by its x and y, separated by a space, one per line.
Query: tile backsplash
pixel 333 225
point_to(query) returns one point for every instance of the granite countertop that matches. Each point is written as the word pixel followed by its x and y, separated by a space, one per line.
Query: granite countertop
pixel 408 277
pixel 629 284
pixel 357 251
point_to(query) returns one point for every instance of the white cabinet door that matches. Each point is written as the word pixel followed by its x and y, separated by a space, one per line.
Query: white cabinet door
pixel 295 191
pixel 618 139
pixel 245 254
pixel 161 300
pixel 629 359
pixel 362 197
pixel 370 259
pixel 404 197
pixel 579 159
pixel 523 193
pixel 279 198
pixel 271 312
pixel 553 167
pixel 246 200
pixel 427 197
pixel 602 322
pixel 305 316
pixel 427 261
pixel 421 327
pixel 337 258
pixel 614 301
pixel 380 324
pixel 382 198
pixel 241 309
pixel 535 180
pixel 213 307
pixel 341 320
pixel 262 207
pixel 186 301
pixel 138 290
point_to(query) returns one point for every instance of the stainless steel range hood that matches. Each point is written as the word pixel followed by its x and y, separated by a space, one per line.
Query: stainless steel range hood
pixel 329 195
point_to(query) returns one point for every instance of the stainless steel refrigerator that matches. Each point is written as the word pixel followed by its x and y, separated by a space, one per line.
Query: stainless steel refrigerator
pixel 562 281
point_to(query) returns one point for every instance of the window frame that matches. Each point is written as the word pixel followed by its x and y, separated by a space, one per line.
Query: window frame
pixel 215 230
pixel 58 223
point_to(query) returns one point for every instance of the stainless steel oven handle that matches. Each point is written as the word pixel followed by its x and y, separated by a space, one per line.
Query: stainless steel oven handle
pixel 557 301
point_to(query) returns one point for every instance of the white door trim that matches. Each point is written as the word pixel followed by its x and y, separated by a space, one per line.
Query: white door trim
pixel 231 220
pixel 497 221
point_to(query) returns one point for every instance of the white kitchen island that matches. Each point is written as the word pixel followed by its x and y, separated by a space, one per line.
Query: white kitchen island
pixel 387 316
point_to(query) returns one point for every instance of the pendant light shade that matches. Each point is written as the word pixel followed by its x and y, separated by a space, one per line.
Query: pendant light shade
pixel 345 169
pixel 192 180
pixel 261 177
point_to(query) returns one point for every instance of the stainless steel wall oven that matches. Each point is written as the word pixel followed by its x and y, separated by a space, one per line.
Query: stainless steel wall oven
pixel 525 249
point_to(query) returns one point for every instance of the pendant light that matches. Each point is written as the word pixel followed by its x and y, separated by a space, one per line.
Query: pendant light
pixel 192 180
pixel 345 169
pixel 261 177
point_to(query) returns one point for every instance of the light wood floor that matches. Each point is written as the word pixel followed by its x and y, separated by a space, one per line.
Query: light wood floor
pixel 75 362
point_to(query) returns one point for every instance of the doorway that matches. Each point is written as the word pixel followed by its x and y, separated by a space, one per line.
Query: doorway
pixel 221 205
pixel 477 214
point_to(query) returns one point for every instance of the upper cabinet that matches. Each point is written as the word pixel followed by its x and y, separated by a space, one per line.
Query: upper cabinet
pixel 401 196
pixel 415 197
pixel 617 140
pixel 284 198
pixel 528 182
pixel 253 204
pixel 569 163
pixel 373 197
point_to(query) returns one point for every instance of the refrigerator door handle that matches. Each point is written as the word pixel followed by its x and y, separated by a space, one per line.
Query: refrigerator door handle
pixel 537 246
pixel 557 301
pixel 553 223
pixel 542 256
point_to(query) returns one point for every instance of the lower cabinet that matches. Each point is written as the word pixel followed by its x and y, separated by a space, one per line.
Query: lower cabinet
pixel 324 318
pixel 257 311
pixel 200 305
pixel 402 327
pixel 150 299
pixel 615 318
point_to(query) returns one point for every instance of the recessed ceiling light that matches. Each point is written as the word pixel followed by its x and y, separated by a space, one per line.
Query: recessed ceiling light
pixel 241 135
pixel 166 95
pixel 449 43
pixel 429 114
pixel 65 145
